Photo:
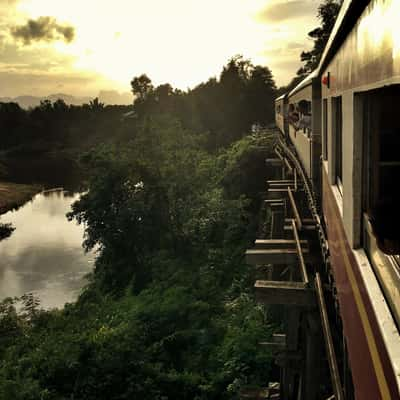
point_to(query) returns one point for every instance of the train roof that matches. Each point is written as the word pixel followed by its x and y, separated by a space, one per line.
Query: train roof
pixel 304 83
pixel 349 12
pixel 281 97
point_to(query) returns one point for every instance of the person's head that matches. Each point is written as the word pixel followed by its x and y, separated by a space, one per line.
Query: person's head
pixel 303 106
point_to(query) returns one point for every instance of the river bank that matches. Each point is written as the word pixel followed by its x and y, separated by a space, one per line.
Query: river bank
pixel 14 195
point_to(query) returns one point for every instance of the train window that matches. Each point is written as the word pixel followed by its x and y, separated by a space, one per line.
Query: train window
pixel 278 109
pixel 338 140
pixel 304 122
pixel 382 167
pixel 325 129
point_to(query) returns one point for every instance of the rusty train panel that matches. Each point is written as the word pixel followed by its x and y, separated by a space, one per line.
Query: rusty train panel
pixel 373 377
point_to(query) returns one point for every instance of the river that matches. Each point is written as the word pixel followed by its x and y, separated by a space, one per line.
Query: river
pixel 44 255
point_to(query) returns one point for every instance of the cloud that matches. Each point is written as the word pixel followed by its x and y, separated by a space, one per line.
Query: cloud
pixel 278 10
pixel 43 29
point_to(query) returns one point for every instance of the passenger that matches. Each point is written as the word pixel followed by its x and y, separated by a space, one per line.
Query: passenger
pixel 305 117
pixel 385 222
pixel 293 115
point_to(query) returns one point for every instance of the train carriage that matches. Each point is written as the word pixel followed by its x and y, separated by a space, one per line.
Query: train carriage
pixel 360 75
pixel 281 113
pixel 343 122
pixel 304 124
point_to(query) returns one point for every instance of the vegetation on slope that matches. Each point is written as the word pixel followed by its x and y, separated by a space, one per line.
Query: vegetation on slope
pixel 169 312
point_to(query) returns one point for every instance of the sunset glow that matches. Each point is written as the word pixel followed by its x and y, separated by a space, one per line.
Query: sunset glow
pixel 183 42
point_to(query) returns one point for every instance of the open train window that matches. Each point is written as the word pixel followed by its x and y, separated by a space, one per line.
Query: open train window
pixel 382 166
pixel 304 123
pixel 325 129
pixel 338 140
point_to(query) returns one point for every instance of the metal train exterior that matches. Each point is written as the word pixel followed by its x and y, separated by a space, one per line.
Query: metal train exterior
pixel 349 151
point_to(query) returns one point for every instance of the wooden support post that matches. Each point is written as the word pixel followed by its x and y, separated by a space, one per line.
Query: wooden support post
pixel 313 356
pixel 277 224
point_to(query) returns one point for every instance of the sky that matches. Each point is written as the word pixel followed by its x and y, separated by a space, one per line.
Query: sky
pixel 81 47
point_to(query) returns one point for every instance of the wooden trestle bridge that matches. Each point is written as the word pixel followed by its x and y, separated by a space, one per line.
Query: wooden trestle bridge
pixel 293 273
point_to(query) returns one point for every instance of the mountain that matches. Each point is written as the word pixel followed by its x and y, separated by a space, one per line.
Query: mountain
pixel 114 97
pixel 33 101
pixel 105 96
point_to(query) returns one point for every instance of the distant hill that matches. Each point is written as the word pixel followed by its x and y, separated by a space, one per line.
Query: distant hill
pixel 105 96
pixel 114 97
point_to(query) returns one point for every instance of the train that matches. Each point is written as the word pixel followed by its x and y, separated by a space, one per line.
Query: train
pixel 342 123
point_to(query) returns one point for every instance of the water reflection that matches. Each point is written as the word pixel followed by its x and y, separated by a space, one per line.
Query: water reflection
pixel 44 255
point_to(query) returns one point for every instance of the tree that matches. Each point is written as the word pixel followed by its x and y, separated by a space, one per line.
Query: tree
pixel 261 92
pixel 141 87
pixel 96 105
pixel 327 13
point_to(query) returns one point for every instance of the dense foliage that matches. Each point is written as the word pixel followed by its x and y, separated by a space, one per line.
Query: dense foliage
pixel 173 202
pixel 55 127
pixel 169 313
pixel 222 109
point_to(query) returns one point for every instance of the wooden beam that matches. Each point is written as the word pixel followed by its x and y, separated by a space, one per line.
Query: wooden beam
pixel 273 347
pixel 295 210
pixel 279 338
pixel 299 249
pixel 280 181
pixel 286 293
pixel 288 166
pixel 274 162
pixel 276 193
pixel 278 153
pixel 254 394
pixel 304 228
pixel 272 201
pixel 272 256
pixel 275 203
pixel 262 244
pixel 279 185
pixel 277 343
